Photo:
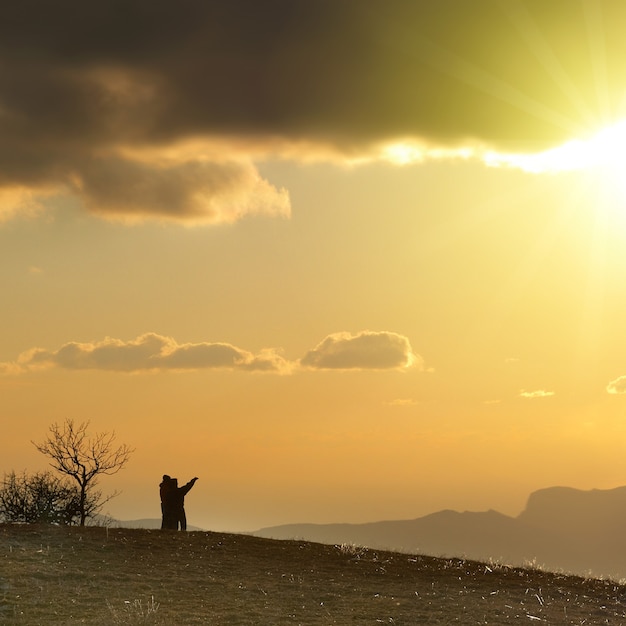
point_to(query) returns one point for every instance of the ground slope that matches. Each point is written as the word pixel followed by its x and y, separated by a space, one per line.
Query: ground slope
pixel 59 575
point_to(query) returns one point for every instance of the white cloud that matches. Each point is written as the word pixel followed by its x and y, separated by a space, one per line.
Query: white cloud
pixel 539 393
pixel 617 386
pixel 364 350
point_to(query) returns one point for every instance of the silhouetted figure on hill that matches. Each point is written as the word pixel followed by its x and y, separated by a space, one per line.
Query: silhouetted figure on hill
pixel 173 502
pixel 166 492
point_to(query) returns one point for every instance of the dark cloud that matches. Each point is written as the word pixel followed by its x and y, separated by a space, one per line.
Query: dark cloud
pixel 82 81
pixel 364 350
pixel 192 190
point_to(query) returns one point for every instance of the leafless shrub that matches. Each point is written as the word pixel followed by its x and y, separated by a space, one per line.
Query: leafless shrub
pixel 38 498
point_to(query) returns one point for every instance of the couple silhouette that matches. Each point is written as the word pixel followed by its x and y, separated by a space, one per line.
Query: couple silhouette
pixel 173 503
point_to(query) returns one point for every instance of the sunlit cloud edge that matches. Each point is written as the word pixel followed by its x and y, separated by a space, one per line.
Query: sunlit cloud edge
pixel 254 195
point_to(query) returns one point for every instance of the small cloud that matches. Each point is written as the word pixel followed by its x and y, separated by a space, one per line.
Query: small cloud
pixel 617 386
pixel 492 401
pixel 511 359
pixel 10 369
pixel 402 402
pixel 366 350
pixel 539 393
pixel 152 352
pixel 34 270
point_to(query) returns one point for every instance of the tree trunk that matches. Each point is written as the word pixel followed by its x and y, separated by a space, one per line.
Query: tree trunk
pixel 83 497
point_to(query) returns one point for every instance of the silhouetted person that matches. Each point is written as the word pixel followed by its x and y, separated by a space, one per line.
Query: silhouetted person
pixel 173 502
pixel 168 496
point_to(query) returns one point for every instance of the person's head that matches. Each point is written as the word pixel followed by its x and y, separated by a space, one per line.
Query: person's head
pixel 166 478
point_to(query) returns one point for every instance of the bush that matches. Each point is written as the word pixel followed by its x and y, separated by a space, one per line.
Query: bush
pixel 39 498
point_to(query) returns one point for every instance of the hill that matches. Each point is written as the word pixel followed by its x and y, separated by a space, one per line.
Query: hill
pixel 96 576
pixel 561 529
pixel 153 523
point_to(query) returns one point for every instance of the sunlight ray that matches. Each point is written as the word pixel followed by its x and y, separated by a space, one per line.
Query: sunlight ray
pixel 511 293
pixel 597 53
pixel 468 72
pixel 593 287
pixel 541 49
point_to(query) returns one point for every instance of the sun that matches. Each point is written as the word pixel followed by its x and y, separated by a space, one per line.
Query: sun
pixel 607 155
pixel 600 158
pixel 603 150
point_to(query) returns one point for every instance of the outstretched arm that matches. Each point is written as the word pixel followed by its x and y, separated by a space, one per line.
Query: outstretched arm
pixel 185 488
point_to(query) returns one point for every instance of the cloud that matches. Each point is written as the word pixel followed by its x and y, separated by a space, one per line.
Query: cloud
pixel 402 402
pixel 365 350
pixel 617 386
pixel 7 369
pixel 192 191
pixel 539 393
pixel 152 352
pixel 20 200
pixel 89 83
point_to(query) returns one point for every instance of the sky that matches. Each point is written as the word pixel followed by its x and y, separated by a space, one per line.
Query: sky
pixel 344 261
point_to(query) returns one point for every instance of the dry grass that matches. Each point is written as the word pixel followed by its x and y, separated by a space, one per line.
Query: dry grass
pixel 59 575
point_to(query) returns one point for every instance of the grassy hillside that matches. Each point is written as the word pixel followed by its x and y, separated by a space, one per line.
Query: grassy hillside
pixel 52 575
pixel 564 529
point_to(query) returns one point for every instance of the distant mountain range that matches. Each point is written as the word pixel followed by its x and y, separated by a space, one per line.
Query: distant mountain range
pixel 561 529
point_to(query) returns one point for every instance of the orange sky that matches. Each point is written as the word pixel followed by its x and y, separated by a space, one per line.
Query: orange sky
pixel 339 261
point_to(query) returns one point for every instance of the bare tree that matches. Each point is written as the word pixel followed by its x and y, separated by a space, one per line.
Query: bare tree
pixel 85 459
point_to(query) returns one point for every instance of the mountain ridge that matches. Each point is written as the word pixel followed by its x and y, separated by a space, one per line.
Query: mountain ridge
pixel 561 529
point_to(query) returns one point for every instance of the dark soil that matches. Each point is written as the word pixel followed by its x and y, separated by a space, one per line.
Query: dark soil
pixel 61 575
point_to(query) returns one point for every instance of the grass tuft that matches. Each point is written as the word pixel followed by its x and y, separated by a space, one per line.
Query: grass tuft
pixel 134 612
